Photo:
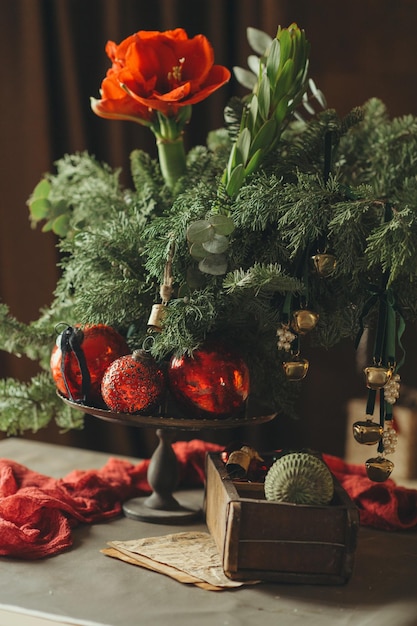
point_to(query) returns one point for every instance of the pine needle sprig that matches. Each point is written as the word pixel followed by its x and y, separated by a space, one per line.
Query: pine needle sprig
pixel 31 406
pixel 393 246
pixel 187 322
pixel 262 278
pixel 77 194
pixel 23 339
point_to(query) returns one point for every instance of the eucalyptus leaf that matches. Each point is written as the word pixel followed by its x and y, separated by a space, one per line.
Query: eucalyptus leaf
pixel 47 227
pixel 199 231
pixel 59 208
pixel 40 208
pixel 217 245
pixel 222 224
pixel 258 40
pixel 215 264
pixel 245 77
pixel 41 190
pixel 60 225
pixel 197 251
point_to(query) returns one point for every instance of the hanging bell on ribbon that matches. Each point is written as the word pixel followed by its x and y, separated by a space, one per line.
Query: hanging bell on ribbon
pixel 155 318
pixel 324 264
pixel 303 321
pixel 377 376
pixel 367 432
pixel 379 469
pixel 296 368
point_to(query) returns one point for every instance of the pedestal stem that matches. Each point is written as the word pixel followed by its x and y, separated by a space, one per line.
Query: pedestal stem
pixel 163 474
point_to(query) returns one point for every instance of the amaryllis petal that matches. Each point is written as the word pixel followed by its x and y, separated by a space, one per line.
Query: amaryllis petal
pixel 176 95
pixel 112 110
pixel 115 103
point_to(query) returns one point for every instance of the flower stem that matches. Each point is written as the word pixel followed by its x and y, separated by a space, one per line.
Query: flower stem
pixel 172 159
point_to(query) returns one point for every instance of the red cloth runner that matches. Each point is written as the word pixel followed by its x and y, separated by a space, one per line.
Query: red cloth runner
pixel 37 513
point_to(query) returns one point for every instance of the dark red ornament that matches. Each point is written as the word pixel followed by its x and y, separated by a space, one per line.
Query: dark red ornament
pixel 91 347
pixel 132 383
pixel 214 380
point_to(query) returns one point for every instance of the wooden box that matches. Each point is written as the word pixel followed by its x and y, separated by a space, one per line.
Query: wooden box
pixel 270 541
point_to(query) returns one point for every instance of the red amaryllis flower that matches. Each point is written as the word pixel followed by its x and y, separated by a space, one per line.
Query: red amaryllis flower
pixel 158 71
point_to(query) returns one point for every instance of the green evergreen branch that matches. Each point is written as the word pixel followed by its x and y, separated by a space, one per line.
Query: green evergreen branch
pixel 260 278
pixel 31 406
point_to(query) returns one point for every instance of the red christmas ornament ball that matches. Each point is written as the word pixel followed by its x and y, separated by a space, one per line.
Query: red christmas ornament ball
pixel 100 345
pixel 132 383
pixel 214 380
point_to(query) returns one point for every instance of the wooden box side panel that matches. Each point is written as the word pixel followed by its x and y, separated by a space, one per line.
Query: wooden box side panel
pixel 216 506
pixel 300 557
pixel 306 562
pixel 286 522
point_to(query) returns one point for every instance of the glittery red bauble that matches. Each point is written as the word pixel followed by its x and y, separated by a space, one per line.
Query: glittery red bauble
pixel 214 380
pixel 100 345
pixel 132 383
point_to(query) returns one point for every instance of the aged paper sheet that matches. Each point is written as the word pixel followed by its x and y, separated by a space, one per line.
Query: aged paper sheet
pixel 190 557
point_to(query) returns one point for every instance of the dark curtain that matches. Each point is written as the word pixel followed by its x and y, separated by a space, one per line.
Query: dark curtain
pixel 53 60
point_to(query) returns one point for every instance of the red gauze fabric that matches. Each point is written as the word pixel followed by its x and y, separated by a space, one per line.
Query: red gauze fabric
pixel 37 513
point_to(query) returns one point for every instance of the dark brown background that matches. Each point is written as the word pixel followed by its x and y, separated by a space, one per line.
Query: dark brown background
pixel 53 60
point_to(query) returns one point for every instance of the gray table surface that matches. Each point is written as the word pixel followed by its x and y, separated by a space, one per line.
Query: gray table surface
pixel 82 586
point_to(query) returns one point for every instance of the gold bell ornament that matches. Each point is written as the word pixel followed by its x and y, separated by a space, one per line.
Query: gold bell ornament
pixel 367 432
pixel 379 469
pixel 324 264
pixel 296 368
pixel 377 376
pixel 303 321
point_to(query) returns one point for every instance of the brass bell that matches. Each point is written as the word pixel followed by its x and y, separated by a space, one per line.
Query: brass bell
pixel 156 316
pixel 367 432
pixel 303 321
pixel 379 469
pixel 296 369
pixel 324 264
pixel 377 376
